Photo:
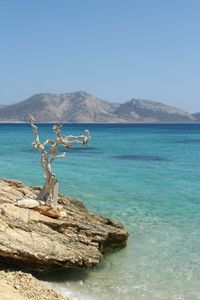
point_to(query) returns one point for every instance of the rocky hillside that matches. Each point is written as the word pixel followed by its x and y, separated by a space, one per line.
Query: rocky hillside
pixel 196 116
pixel 85 108
pixel 151 111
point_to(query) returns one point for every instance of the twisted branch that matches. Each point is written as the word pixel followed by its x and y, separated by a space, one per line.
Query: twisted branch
pixel 49 192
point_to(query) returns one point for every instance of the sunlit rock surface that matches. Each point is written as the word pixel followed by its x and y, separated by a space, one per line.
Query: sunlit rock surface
pixel 41 238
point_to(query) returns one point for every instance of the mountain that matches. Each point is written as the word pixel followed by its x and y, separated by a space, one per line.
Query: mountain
pixel 70 107
pixel 85 108
pixel 151 111
pixel 196 116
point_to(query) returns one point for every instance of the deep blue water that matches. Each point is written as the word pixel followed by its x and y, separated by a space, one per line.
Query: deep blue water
pixel 146 176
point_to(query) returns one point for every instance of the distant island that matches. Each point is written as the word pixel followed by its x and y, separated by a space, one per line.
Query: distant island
pixel 81 107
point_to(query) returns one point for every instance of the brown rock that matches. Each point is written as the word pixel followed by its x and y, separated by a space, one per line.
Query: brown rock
pixel 23 286
pixel 66 236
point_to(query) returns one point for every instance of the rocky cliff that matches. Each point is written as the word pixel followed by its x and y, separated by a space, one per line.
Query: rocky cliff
pixel 85 108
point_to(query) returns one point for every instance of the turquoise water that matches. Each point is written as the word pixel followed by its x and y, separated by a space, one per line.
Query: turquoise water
pixel 146 176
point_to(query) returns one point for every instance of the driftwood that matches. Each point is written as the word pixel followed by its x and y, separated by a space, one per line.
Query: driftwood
pixel 48 152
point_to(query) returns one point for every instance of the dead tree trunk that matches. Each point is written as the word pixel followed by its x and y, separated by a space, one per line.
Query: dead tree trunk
pixel 49 191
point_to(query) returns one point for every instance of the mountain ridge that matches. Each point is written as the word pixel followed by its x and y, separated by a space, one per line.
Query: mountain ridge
pixel 82 107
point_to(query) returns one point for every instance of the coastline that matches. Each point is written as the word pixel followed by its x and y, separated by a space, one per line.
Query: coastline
pixel 156 200
pixel 105 123
pixel 42 239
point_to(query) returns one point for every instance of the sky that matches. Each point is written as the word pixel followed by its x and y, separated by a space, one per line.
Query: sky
pixel 114 49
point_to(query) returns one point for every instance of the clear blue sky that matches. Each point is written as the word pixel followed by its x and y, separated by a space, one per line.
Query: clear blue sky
pixel 114 49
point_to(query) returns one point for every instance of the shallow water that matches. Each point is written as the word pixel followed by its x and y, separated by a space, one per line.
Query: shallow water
pixel 146 176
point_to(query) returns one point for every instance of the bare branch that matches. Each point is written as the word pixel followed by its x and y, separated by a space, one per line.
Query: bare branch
pixel 49 192
pixel 69 140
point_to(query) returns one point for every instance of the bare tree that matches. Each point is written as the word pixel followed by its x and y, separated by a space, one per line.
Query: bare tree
pixel 48 152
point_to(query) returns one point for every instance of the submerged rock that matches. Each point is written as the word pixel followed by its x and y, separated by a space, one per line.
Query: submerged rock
pixel 42 238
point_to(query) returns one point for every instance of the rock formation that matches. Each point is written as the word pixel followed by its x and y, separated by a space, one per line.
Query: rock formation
pixel 17 285
pixel 43 238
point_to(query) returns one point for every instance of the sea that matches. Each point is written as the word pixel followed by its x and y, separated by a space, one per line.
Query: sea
pixel 147 176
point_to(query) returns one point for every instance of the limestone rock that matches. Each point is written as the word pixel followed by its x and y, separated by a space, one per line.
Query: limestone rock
pixel 40 239
pixel 29 203
pixel 23 286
